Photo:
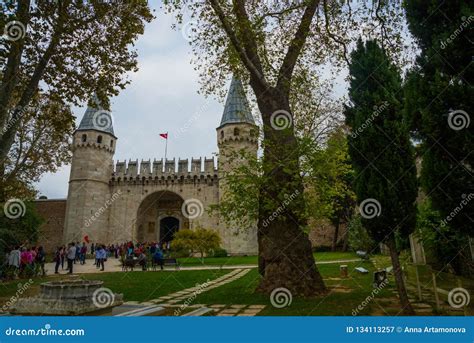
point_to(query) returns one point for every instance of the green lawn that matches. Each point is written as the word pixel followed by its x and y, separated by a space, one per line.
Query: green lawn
pixel 140 286
pixel 344 294
pixel 246 260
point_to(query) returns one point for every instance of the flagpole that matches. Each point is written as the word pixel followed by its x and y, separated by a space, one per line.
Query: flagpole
pixel 166 145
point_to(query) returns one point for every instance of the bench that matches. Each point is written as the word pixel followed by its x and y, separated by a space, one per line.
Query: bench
pixel 129 263
pixel 171 262
pixel 363 255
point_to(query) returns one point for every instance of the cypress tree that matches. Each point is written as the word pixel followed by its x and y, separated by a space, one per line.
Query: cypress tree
pixel 381 153
pixel 440 101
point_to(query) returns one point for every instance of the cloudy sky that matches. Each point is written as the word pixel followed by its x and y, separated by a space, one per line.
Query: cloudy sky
pixel 162 97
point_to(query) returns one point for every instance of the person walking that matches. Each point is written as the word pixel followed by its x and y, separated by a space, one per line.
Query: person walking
pixel 63 256
pixel 71 256
pixel 101 255
pixel 83 253
pixel 14 260
pixel 158 258
pixel 41 259
pixel 57 259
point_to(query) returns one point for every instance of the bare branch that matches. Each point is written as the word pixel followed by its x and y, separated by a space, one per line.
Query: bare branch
pixel 294 50
pixel 254 71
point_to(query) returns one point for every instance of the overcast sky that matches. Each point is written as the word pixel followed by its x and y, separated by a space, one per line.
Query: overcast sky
pixel 161 97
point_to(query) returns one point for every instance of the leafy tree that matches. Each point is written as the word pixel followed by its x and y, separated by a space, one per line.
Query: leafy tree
pixel 202 241
pixel 19 224
pixel 65 50
pixel 329 177
pixel 443 245
pixel 359 238
pixel 440 104
pixel 381 153
pixel 41 145
pixel 276 47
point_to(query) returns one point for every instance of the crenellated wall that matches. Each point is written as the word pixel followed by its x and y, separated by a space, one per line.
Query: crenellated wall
pixel 164 169
pixel 142 187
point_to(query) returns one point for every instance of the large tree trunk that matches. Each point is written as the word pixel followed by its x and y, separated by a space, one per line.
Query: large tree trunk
pixel 407 309
pixel 336 235
pixel 285 254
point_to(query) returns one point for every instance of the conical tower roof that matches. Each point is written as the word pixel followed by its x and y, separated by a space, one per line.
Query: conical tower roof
pixel 237 109
pixel 96 118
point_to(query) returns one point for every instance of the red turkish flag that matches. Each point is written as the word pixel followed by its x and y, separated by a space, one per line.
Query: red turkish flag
pixel 86 238
pixel 164 135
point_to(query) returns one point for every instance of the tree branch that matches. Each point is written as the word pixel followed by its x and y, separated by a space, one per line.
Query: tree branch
pixel 333 36
pixel 294 50
pixel 7 139
pixel 11 71
pixel 255 71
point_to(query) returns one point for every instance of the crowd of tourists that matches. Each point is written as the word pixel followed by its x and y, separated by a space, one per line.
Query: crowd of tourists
pixel 24 261
pixel 30 261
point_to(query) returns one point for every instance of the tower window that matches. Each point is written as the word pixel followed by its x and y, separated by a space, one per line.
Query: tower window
pixel 84 137
pixel 111 143
pixel 236 131
pixel 99 139
pixel 222 134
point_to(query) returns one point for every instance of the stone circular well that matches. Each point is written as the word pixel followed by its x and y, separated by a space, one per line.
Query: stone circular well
pixel 74 289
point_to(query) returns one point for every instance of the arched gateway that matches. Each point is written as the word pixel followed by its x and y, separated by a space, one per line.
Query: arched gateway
pixel 143 201
pixel 160 216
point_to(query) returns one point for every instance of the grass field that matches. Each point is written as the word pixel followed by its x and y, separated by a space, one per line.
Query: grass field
pixel 247 260
pixel 342 297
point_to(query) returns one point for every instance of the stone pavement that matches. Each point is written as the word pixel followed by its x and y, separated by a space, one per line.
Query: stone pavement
pixel 114 265
pixel 183 300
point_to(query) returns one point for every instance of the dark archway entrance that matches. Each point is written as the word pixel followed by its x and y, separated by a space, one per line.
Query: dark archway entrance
pixel 168 227
pixel 159 216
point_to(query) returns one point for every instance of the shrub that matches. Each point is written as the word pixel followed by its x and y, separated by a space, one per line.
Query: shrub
pixel 359 238
pixel 202 241
pixel 219 252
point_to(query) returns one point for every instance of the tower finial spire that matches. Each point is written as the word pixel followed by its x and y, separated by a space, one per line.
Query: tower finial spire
pixel 96 117
pixel 237 109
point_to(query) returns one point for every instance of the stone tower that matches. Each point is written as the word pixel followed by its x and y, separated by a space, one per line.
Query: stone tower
pixel 93 147
pixel 237 132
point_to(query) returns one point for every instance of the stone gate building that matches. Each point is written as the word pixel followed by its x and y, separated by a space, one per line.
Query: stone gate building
pixel 151 200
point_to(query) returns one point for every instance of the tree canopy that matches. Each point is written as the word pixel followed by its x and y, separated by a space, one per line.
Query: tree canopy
pixel 64 51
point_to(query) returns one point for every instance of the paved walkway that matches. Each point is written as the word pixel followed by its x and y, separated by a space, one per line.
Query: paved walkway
pixel 113 265
pixel 183 301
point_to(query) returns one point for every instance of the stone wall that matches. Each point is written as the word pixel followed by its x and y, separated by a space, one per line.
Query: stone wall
pixel 51 232
pixel 321 233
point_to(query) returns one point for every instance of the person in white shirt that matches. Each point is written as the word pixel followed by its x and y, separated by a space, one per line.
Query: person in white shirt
pixel 71 255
